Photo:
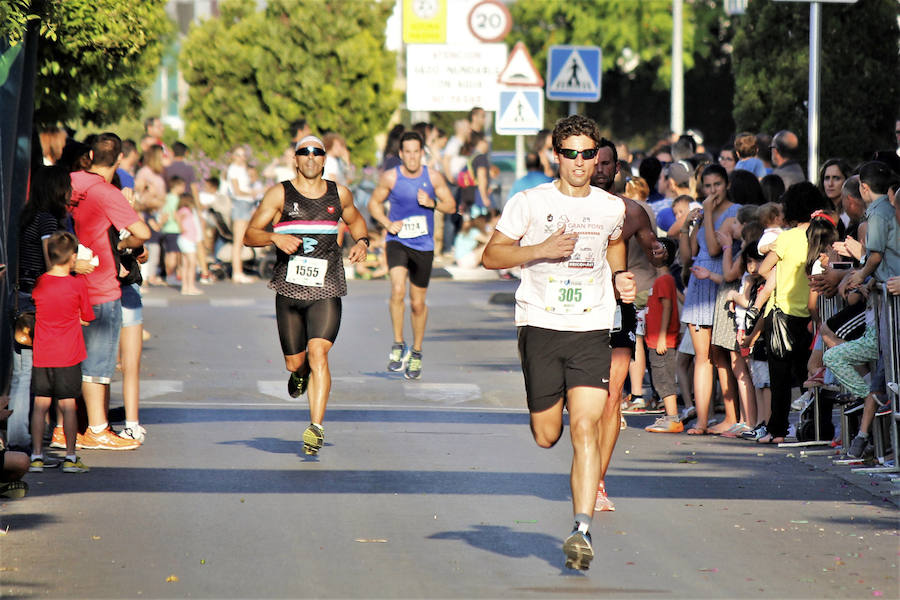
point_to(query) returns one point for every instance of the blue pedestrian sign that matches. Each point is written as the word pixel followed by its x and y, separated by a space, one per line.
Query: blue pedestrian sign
pixel 573 73
pixel 521 111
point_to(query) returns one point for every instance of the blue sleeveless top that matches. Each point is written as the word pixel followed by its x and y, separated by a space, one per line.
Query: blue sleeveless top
pixel 404 205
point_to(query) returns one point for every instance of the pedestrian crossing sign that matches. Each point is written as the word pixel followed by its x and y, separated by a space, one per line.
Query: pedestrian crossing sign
pixel 573 73
pixel 521 111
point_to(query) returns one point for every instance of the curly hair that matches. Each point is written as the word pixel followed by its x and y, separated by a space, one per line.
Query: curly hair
pixel 575 125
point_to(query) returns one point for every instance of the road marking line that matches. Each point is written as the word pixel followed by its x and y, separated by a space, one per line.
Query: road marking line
pixel 336 405
pixel 154 302
pixel 231 302
pixel 453 393
pixel 151 388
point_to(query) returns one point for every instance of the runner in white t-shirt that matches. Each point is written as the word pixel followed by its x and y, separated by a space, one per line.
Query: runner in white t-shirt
pixel 566 235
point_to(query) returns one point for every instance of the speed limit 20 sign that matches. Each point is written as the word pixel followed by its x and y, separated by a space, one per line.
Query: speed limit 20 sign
pixel 490 21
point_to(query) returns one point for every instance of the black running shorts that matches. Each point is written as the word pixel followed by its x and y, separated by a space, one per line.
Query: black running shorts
pixel 302 320
pixel 556 361
pixel 625 336
pixel 417 262
pixel 56 382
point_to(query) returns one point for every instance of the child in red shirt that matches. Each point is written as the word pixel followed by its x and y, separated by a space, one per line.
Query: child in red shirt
pixel 661 338
pixel 62 307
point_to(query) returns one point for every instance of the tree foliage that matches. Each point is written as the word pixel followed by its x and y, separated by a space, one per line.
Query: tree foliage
pixel 95 59
pixel 252 72
pixel 859 73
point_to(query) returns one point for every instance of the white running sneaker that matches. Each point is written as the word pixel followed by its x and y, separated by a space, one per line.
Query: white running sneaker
pixel 138 434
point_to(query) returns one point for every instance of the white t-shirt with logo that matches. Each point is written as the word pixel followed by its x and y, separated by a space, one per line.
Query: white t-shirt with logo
pixel 574 293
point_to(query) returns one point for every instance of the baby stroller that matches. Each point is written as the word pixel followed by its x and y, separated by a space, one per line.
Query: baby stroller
pixel 258 260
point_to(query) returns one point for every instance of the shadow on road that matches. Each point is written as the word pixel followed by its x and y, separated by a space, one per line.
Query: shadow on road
pixel 500 539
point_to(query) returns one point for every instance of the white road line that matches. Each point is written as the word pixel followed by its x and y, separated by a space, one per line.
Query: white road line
pixel 154 302
pixel 231 302
pixel 453 393
pixel 151 388
pixel 336 405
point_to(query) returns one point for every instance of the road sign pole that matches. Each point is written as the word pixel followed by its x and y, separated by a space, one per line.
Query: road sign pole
pixel 573 108
pixel 676 120
pixel 815 29
pixel 520 156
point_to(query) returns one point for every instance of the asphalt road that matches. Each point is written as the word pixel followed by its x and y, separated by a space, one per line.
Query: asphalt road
pixel 428 489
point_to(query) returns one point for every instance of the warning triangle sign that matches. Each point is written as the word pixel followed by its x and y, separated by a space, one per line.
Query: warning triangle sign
pixel 519 69
pixel 573 77
pixel 520 113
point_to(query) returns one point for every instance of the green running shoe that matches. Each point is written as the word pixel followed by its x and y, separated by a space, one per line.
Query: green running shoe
pixel 13 490
pixel 313 439
pixel 414 368
pixel 398 357
pixel 297 385
pixel 74 466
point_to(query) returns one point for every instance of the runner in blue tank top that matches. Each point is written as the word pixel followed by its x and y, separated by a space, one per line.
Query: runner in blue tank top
pixel 414 194
pixel 309 276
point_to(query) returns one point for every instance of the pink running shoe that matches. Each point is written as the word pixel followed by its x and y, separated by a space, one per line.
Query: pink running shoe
pixel 603 503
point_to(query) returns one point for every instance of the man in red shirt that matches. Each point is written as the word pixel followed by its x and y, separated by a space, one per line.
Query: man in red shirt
pixel 96 206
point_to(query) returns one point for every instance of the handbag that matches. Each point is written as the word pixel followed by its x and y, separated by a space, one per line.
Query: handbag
pixel 125 258
pixel 23 318
pixel 780 342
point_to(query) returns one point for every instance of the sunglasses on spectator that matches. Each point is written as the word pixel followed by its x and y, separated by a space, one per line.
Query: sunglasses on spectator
pixel 573 154
pixel 307 150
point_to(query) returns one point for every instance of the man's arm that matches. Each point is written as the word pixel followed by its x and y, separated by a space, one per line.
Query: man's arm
pixel 444 201
pixel 623 281
pixel 376 202
pixel 268 212
pixel 645 233
pixel 503 252
pixel 356 224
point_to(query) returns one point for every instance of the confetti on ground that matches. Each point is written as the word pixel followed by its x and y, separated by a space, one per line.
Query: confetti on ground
pixel 172 579
pixel 10 569
pixel 713 570
pixel 800 522
pixel 526 521
pixel 95 537
pixel 370 541
pixel 202 561
pixel 688 461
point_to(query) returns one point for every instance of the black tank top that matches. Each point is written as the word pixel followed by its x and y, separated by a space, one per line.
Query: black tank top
pixel 315 222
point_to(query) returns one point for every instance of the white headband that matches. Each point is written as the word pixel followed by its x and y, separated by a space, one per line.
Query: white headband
pixel 308 139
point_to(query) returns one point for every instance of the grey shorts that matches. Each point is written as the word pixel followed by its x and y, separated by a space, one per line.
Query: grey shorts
pixel 241 210
pixel 662 369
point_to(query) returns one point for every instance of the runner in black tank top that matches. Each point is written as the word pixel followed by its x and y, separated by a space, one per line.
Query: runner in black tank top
pixel 309 273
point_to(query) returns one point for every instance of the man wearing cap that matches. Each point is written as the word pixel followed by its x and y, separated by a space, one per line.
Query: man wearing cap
pixel 309 274
pixel 414 194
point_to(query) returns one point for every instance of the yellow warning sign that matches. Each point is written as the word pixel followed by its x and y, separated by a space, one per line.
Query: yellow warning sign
pixel 424 21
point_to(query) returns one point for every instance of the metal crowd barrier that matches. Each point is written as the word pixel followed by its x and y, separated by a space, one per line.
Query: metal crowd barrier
pixel 885 427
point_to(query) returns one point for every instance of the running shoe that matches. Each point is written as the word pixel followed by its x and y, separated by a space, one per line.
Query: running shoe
pixel 857 447
pixel 297 384
pixel 39 464
pixel 603 503
pixel 666 425
pixel 74 466
pixel 58 439
pixel 754 434
pixel 635 407
pixel 13 489
pixel 313 439
pixel 414 367
pixel 578 550
pixel 107 440
pixel 802 401
pixel 398 357
pixel 138 434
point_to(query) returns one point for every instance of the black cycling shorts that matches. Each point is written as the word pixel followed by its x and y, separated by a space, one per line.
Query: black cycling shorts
pixel 556 361
pixel 56 382
pixel 625 336
pixel 417 262
pixel 302 320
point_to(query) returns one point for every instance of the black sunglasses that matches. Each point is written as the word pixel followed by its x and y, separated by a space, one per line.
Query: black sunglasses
pixel 573 154
pixel 307 150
